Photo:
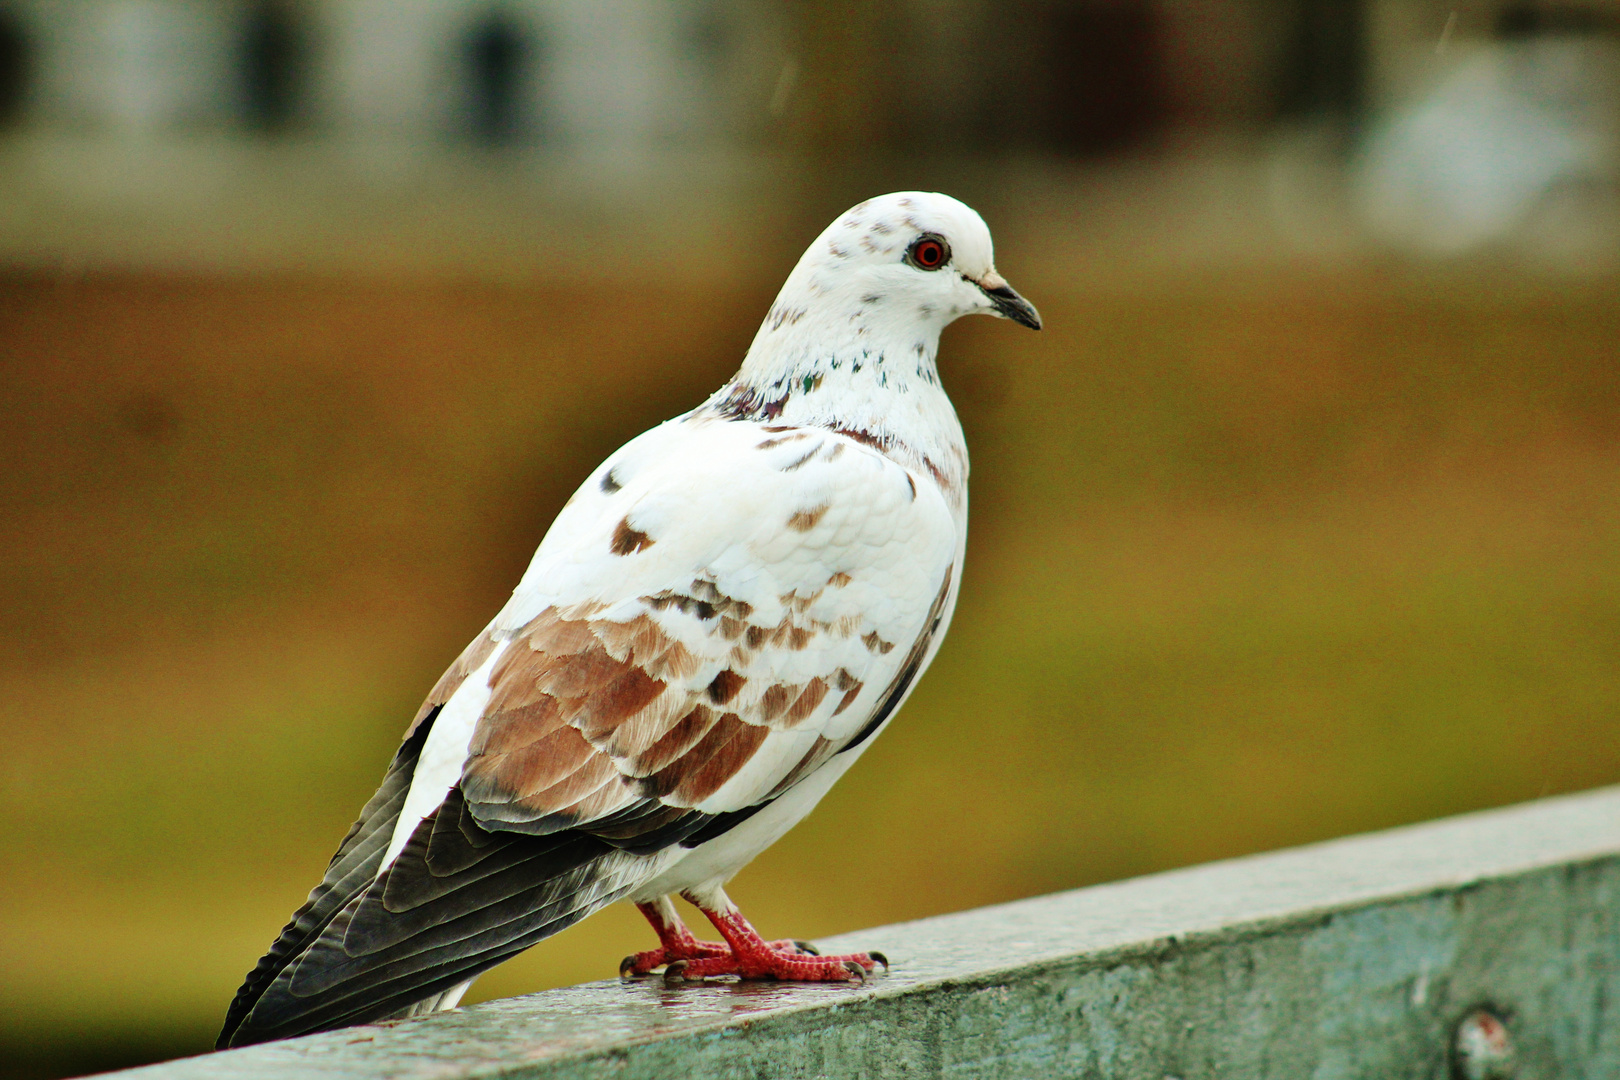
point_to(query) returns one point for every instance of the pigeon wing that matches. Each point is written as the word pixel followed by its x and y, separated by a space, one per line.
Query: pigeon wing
pixel 717 612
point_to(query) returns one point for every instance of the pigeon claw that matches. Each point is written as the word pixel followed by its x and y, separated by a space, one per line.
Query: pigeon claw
pixel 636 965
pixel 645 963
pixel 770 960
pixel 865 961
pixel 744 954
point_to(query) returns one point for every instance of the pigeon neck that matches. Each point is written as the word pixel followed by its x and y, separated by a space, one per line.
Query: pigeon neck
pixel 872 379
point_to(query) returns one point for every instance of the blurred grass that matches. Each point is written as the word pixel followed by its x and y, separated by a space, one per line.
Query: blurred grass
pixel 1257 558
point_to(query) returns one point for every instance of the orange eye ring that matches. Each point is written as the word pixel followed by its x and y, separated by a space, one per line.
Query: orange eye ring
pixel 928 252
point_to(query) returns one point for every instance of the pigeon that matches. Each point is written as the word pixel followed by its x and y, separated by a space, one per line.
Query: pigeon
pixel 717 624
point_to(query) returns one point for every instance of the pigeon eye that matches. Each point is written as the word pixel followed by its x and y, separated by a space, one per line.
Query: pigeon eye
pixel 928 252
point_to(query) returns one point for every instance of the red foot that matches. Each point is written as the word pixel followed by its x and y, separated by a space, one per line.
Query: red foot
pixel 679 945
pixel 644 963
pixel 769 964
pixel 744 953
pixel 752 957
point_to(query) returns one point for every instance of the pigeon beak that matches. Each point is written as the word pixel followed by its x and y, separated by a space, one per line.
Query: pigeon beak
pixel 1008 304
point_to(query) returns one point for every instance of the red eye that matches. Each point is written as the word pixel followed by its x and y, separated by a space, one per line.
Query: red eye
pixel 928 253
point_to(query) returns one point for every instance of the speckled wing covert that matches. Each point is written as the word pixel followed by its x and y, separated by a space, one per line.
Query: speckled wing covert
pixel 719 611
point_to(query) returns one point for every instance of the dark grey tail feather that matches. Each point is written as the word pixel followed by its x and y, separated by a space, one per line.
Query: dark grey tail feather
pixel 330 986
pixel 352 868
pixel 456 901
pixel 456 853
pixel 373 936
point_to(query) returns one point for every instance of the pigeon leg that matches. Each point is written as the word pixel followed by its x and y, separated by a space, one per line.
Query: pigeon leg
pixel 752 957
pixel 676 943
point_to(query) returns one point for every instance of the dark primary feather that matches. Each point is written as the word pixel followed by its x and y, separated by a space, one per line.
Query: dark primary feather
pixel 391 947
pixel 354 865
pixel 458 900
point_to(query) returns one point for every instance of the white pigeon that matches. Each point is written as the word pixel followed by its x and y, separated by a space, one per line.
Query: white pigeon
pixel 713 629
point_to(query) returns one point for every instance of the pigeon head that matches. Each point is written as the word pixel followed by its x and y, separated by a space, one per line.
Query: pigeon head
pixel 912 259
pixel 852 338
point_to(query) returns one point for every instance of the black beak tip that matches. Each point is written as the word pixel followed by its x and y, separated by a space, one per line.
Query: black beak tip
pixel 1009 305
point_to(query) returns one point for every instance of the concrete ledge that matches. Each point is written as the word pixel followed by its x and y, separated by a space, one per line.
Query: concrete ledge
pixel 1355 958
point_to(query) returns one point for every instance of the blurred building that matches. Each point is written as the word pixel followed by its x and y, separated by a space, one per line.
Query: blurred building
pixel 609 71
pixel 624 81
pixel 1079 77
pixel 1504 132
pixel 1070 76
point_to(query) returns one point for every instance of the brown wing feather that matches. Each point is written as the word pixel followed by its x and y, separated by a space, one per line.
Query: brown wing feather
pixel 588 717
pixel 591 717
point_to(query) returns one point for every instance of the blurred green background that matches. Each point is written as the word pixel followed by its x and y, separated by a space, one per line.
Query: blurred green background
pixel 1282 529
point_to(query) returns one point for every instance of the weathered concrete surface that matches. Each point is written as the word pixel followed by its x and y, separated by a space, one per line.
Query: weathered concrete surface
pixel 1354 958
